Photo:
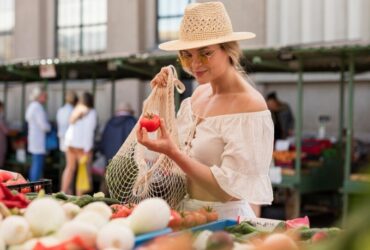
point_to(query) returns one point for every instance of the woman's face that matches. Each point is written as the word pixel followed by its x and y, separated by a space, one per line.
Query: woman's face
pixel 206 63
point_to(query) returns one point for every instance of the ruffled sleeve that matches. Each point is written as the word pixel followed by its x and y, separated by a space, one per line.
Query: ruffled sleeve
pixel 245 161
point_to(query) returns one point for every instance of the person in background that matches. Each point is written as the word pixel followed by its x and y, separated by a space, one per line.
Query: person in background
pixel 4 130
pixel 38 126
pixel 282 116
pixel 79 141
pixel 225 128
pixel 63 116
pixel 117 130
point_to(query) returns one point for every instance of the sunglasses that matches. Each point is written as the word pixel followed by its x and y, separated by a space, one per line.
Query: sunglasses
pixel 186 59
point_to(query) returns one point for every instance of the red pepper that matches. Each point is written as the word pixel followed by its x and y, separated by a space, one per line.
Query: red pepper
pixel 68 244
pixel 10 200
pixel 6 191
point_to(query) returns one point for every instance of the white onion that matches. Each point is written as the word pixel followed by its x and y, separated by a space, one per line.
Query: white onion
pixel 14 230
pixel 86 231
pixel 92 218
pixel 115 236
pixel 45 215
pixel 71 210
pixel 143 220
pixel 100 207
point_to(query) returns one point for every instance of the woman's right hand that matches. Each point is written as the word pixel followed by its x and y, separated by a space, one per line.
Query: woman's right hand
pixel 160 79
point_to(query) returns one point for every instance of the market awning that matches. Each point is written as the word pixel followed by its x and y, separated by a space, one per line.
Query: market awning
pixel 312 58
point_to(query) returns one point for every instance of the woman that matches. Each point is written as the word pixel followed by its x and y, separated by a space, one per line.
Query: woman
pixel 79 140
pixel 225 128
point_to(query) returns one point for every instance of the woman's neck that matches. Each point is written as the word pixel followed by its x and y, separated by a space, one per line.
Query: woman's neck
pixel 228 82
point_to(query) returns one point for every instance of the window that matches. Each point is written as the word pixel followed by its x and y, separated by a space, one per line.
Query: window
pixel 6 29
pixel 81 27
pixel 169 14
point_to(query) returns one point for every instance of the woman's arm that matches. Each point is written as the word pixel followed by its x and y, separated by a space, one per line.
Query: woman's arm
pixel 196 171
pixel 78 112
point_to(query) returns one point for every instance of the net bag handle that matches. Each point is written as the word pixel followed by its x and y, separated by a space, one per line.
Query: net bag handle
pixel 160 99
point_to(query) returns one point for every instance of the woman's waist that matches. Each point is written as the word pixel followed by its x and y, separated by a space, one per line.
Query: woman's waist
pixel 198 193
pixel 199 203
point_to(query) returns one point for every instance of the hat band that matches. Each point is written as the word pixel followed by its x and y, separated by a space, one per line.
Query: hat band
pixel 201 36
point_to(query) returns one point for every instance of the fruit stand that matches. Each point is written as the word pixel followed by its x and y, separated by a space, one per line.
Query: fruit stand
pixel 328 58
pixel 42 221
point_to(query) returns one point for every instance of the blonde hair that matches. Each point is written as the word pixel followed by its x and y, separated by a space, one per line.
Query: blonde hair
pixel 235 54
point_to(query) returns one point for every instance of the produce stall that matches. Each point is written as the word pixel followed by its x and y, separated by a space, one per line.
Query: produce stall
pixel 343 58
pixel 42 221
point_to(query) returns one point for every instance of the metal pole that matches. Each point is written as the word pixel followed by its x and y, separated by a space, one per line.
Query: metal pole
pixel 5 98
pixel 113 96
pixel 341 105
pixel 46 90
pixel 298 123
pixel 94 88
pixel 348 158
pixel 23 102
pixel 64 84
pixel 349 131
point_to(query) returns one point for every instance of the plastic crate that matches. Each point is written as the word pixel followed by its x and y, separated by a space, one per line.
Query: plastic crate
pixel 33 187
pixel 140 239
pixel 214 226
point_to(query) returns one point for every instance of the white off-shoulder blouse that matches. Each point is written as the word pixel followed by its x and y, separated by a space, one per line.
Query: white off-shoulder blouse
pixel 237 147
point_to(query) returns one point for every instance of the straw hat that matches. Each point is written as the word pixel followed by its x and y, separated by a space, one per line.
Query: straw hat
pixel 205 24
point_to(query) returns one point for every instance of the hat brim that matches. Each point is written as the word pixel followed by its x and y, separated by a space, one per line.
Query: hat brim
pixel 182 45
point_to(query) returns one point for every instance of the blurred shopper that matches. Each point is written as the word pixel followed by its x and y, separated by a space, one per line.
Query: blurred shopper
pixel 3 136
pixel 79 141
pixel 116 130
pixel 38 126
pixel 115 133
pixel 63 116
pixel 282 116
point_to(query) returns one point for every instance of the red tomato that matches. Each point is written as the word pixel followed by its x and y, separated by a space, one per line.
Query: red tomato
pixel 175 219
pixel 116 207
pixel 319 236
pixel 25 190
pixel 210 214
pixel 151 122
pixel 188 219
pixel 121 213
pixel 200 218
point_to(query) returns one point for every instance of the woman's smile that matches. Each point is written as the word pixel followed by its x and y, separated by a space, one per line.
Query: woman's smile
pixel 199 73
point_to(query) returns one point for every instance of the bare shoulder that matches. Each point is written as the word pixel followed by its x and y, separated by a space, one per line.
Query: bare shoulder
pixel 251 101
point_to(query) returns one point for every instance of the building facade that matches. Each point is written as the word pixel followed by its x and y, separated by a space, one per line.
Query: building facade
pixel 40 29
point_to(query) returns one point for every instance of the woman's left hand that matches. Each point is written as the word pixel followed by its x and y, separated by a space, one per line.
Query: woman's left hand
pixel 163 144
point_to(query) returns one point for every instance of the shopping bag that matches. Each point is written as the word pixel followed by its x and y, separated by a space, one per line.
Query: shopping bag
pixel 83 181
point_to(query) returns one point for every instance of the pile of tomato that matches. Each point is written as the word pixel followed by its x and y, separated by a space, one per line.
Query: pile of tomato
pixel 178 220
pixel 187 219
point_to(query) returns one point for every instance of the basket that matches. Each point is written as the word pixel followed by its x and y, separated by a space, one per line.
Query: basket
pixel 33 187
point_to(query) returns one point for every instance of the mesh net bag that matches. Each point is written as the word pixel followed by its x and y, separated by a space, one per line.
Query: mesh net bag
pixel 135 173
